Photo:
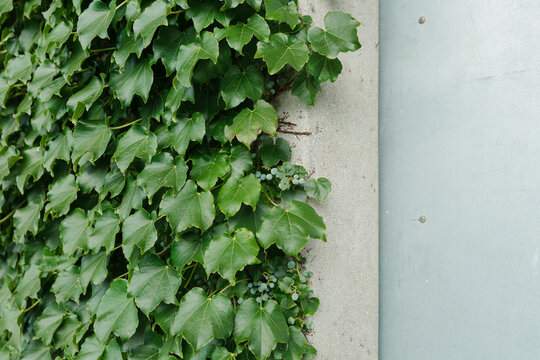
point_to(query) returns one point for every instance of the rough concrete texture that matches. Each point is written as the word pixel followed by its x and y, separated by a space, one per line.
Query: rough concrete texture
pixel 343 148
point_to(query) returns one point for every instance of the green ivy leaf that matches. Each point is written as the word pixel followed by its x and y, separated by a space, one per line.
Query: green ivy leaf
pixel 127 45
pixel 44 74
pixel 116 313
pixel 290 229
pixel 296 345
pixel 237 85
pixel 201 318
pixel 150 19
pixel 186 130
pixel 228 254
pixel 136 142
pixel 35 351
pixel 132 199
pixel 188 55
pixel 93 269
pixel 59 149
pixel 26 219
pixel 19 68
pixel 186 248
pixel 281 51
pixel 274 152
pixel 90 139
pixel 318 189
pixel 91 349
pixel 153 277
pixel 6 6
pixel 282 10
pixel 340 34
pixel 138 229
pixel 29 285
pixel 136 78
pixel 236 191
pixel 305 88
pixel 208 168
pixel 189 208
pixel 67 285
pixel 94 21
pixel 262 326
pixel 31 165
pixel 60 196
pixel 163 171
pixel 74 231
pixel 240 34
pixel 323 68
pixel 8 157
pixel 203 14
pixel 47 323
pixel 85 97
pixel 104 234
pixel 248 124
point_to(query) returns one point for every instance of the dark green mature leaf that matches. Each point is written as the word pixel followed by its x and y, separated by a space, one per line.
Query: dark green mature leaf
pixel 127 45
pixel 208 168
pixel 155 278
pixel 237 85
pixel 136 78
pixel 85 97
pixel 132 198
pixel 18 68
pixel 281 51
pixel 240 34
pixel 274 152
pixel 150 19
pixel 26 219
pixel 90 140
pixel 94 21
pixel 67 285
pixel 340 34
pixel 262 326
pixel 91 349
pixel 186 248
pixel 305 88
pixel 282 10
pixel 29 285
pixel 6 6
pixel 201 318
pixel 296 346
pixel 248 124
pixel 290 229
pixel 104 234
pixel 138 229
pixel 318 189
pixel 116 313
pixel 228 254
pixel 59 149
pixel 32 165
pixel 203 14
pixel 47 323
pixel 189 208
pixel 323 68
pixel 74 231
pixel 93 269
pixel 189 55
pixel 236 191
pixel 186 130
pixel 60 196
pixel 163 171
pixel 136 142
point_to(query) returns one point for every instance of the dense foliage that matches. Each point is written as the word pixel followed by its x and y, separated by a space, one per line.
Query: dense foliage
pixel 147 209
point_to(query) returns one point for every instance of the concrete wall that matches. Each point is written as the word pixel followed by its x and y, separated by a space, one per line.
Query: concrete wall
pixel 343 148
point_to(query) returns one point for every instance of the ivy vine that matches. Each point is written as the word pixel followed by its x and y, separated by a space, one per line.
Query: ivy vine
pixel 147 209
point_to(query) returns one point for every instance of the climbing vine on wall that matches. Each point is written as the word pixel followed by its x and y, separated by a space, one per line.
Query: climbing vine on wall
pixel 147 209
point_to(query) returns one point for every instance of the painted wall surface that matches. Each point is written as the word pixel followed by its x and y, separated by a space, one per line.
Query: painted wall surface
pixel 460 150
pixel 343 148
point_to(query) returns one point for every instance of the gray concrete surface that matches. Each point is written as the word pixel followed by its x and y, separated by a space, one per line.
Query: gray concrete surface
pixel 343 148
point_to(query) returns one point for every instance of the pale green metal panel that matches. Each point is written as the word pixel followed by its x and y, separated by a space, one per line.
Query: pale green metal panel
pixel 460 146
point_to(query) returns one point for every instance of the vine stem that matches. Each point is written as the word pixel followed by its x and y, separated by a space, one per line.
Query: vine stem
pixel 125 125
pixel 190 276
pixel 116 248
pixel 228 286
pixel 121 4
pixel 104 49
pixel 8 216
pixel 270 199
pixel 164 249
pixel 32 306
pixel 119 276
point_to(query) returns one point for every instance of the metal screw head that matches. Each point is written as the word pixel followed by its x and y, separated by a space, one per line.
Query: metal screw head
pixel 421 20
pixel 422 219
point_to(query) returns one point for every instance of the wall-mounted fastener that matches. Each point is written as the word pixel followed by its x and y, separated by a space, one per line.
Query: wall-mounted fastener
pixel 422 219
pixel 421 20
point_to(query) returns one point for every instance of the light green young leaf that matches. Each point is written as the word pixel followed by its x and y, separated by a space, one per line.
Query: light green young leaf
pixel 318 189
pixel 163 171
pixel 155 278
pixel 237 85
pixel 282 10
pixel 149 20
pixel 26 219
pixel 274 152
pixel 290 229
pixel 240 34
pixel 208 168
pixel 186 130
pixel 138 229
pixel 116 313
pixel 248 124
pixel 6 6
pixel 305 88
pixel 206 47
pixel 93 269
pixel 340 34
pixel 74 231
pixel 136 142
pixel 90 140
pixel 189 208
pixel 136 78
pixel 67 285
pixel 200 319
pixel 262 326
pixel 281 51
pixel 94 21
pixel 104 234
pixel 60 196
pixel 32 165
pixel 236 191
pixel 47 323
pixel 35 351
pixel 228 254
pixel 323 68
